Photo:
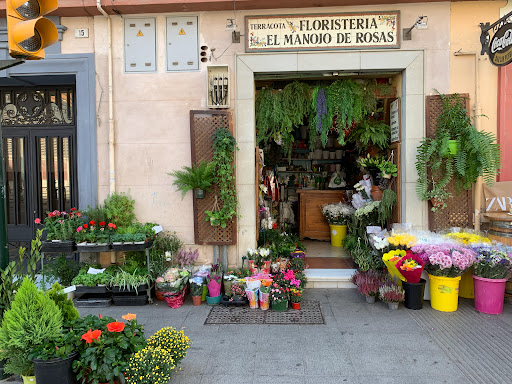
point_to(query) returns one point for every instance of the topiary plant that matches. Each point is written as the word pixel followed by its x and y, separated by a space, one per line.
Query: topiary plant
pixel 32 319
pixel 66 306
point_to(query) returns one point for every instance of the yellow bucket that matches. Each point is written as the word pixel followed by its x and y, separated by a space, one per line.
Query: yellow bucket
pixel 338 234
pixel 466 286
pixel 444 293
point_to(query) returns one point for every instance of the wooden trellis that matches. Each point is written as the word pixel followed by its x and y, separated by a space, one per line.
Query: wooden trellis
pixel 203 125
pixel 458 212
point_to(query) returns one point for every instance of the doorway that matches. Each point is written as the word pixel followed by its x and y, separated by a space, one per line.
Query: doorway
pixel 39 144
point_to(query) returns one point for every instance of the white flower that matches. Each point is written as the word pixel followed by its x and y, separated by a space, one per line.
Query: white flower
pixel 264 252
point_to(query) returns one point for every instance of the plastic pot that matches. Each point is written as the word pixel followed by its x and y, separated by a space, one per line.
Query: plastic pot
pixel 46 371
pixel 280 306
pixel 29 379
pixel 414 293
pixel 199 193
pixel 444 293
pixel 338 234
pixel 393 305
pixel 296 305
pixel 370 299
pixel 213 300
pixel 489 295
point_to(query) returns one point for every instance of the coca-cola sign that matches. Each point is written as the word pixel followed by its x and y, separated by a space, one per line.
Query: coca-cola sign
pixel 500 47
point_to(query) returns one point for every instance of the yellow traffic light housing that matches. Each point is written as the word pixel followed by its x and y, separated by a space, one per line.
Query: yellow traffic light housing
pixel 29 33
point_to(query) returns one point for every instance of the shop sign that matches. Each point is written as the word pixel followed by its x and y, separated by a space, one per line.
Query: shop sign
pixel 322 32
pixel 394 120
pixel 500 46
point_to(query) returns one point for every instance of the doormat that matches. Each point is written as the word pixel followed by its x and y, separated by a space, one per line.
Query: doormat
pixel 310 313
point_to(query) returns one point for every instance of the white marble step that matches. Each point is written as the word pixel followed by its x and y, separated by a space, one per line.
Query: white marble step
pixel 329 278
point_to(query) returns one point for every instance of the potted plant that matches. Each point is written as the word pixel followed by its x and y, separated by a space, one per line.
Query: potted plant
pixel 150 365
pixel 296 297
pixel 196 288
pixel 173 284
pixel 31 320
pixel 445 264
pixel 172 340
pixel 492 269
pixel 391 293
pixel 370 133
pixel 477 154
pixel 338 216
pixel 278 298
pixel 214 280
pixel 197 178
pixel 368 284
pixel 106 346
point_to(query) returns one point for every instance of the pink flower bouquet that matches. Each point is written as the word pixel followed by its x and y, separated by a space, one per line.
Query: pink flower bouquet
pixel 447 260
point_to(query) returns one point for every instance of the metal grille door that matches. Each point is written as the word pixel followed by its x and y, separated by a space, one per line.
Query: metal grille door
pixel 39 139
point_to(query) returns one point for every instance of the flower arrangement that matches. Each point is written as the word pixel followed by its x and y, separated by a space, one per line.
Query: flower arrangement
pixel 150 366
pixel 390 259
pixel 402 241
pixel 411 267
pixel 492 263
pixel 238 290
pixel 171 340
pixel 278 293
pixel 338 214
pixel 296 295
pixel 173 280
pixel 214 279
pixel 467 238
pixel 61 225
pixel 107 345
pixel 390 292
pixel 447 260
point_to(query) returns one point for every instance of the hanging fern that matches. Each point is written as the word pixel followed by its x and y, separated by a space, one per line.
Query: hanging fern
pixel 370 132
pixel 265 124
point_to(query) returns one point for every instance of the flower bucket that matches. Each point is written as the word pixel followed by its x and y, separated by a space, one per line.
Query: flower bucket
pixel 205 292
pixel 264 301
pixel 414 293
pixel 489 295
pixel 444 293
pixel 213 300
pixel 252 296
pixel 338 234
pixel 280 306
pixel 466 286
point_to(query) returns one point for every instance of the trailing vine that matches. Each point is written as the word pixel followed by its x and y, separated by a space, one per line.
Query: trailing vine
pixel 224 146
pixel 321 121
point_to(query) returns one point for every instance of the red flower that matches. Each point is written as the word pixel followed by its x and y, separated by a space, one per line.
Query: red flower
pixel 86 226
pixel 115 326
pixel 73 209
pixel 102 223
pixel 92 222
pixel 90 336
pixel 37 221
pixel 99 315
pixel 112 225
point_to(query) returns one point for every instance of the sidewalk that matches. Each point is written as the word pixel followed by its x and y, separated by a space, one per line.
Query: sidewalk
pixel 360 343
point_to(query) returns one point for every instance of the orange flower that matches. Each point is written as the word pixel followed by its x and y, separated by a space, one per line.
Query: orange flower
pixel 99 315
pixel 115 326
pixel 129 316
pixel 90 336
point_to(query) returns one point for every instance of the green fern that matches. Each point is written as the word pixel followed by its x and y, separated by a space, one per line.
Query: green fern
pixel 200 177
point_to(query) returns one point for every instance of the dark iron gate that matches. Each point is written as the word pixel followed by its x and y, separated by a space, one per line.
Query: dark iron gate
pixel 39 141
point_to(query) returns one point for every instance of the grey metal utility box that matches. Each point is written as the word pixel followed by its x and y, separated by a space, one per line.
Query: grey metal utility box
pixel 182 47
pixel 140 44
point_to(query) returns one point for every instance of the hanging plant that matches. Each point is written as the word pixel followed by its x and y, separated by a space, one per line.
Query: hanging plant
pixel 370 133
pixel 321 121
pixel 224 146
pixel 265 124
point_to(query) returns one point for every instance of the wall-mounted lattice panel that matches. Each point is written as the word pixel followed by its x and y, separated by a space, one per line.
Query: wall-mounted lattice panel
pixel 203 125
pixel 458 212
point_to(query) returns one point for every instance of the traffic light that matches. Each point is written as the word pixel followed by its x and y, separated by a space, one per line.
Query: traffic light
pixel 29 33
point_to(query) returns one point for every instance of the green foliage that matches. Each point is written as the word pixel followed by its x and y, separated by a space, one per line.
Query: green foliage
pixel 90 280
pixel 62 269
pixel 66 306
pixel 127 281
pixel 195 177
pixel 370 132
pixel 106 358
pixel 97 214
pixel 31 320
pixel 119 208
pixel 387 203
pixel 478 154
pixel 281 244
pixel 224 146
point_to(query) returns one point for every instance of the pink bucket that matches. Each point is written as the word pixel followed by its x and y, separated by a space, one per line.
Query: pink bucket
pixel 489 295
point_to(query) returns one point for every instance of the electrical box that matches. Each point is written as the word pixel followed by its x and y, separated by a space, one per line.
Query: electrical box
pixel 218 86
pixel 182 46
pixel 140 45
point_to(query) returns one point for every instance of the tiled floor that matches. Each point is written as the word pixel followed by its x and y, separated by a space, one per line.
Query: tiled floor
pixel 320 254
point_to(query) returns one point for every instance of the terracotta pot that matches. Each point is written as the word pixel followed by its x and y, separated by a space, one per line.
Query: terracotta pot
pixel 436 203
pixel 196 300
pixel 296 305
pixel 376 193
pixel 159 295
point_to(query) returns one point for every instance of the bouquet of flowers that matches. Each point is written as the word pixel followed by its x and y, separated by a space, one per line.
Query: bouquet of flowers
pixel 338 214
pixel 390 259
pixel 402 241
pixel 214 279
pixel 173 280
pixel 410 267
pixel 492 263
pixel 447 260
pixel 467 238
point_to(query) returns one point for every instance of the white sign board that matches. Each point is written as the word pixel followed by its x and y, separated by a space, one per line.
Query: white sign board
pixel 394 123
pixel 322 32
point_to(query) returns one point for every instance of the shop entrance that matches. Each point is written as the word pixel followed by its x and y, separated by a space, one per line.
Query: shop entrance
pixel 315 133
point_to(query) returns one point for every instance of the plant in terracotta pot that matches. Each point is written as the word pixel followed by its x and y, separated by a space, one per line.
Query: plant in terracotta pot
pixel 477 154
pixel 198 178
pixel 32 319
pixel 196 287
pixel 105 347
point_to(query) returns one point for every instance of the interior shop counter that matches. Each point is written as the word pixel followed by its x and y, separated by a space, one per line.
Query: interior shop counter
pixel 312 223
